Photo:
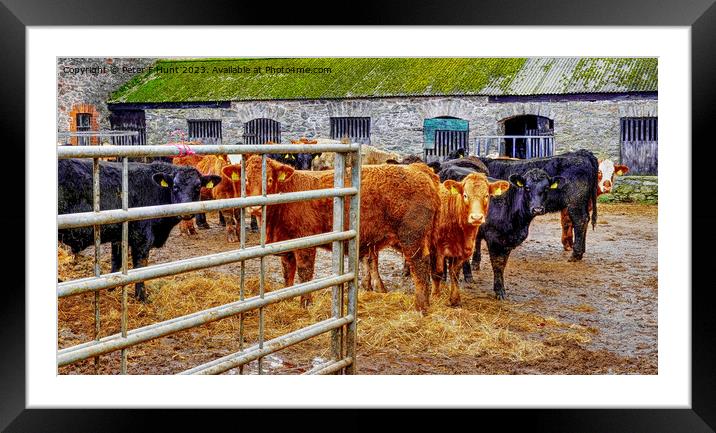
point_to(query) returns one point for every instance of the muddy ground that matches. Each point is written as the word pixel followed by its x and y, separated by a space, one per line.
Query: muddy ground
pixel 611 294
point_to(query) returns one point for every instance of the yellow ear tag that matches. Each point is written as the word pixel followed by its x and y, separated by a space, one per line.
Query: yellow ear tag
pixel 453 190
pixel 462 156
pixel 235 176
pixel 619 173
pixel 498 191
pixel 520 184
pixel 281 177
pixel 553 186
pixel 164 183
pixel 287 156
pixel 210 185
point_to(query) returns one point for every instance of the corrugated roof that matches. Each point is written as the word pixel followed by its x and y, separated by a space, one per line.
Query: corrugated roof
pixel 219 80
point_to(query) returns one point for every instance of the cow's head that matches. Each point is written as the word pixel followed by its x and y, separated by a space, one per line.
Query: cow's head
pixel 534 187
pixel 607 172
pixel 184 184
pixel 276 174
pixel 475 191
pixel 232 173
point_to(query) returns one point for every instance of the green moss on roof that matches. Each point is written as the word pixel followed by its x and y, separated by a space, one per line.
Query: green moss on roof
pixel 201 80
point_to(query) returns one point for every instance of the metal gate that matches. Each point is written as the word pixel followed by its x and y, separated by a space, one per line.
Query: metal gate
pixel 447 141
pixel 129 120
pixel 342 324
pixel 515 146
pixel 640 144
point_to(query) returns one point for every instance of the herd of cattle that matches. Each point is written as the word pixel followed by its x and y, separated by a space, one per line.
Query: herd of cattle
pixel 435 214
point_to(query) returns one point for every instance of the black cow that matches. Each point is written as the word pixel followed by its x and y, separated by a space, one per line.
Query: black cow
pixel 457 153
pixel 509 217
pixel 149 185
pixel 299 161
pixel 472 162
pixel 580 170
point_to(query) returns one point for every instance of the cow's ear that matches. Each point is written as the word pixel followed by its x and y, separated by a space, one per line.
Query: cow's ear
pixel 162 180
pixel 283 172
pixel 232 172
pixel 453 187
pixel 556 182
pixel 210 181
pixel 517 180
pixel 620 170
pixel 498 188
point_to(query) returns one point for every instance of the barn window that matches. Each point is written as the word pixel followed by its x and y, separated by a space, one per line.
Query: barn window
pixel 262 131
pixel 356 129
pixel 639 144
pixel 129 120
pixel 84 124
pixel 205 131
pixel 442 135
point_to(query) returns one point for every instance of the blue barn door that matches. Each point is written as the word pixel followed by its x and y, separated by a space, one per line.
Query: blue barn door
pixel 442 135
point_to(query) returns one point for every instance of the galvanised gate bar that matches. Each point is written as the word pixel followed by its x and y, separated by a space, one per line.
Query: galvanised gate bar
pixel 344 282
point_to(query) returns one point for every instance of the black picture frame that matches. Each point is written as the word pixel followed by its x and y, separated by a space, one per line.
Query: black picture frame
pixel 700 15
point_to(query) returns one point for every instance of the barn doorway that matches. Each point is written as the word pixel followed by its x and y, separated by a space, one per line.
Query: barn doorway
pixel 522 127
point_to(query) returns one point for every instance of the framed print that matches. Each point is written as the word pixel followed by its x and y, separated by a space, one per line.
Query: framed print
pixel 247 202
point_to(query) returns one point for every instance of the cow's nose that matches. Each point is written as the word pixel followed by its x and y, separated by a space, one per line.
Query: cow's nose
pixel 537 210
pixel 475 219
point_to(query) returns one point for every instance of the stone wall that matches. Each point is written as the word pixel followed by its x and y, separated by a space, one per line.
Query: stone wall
pixel 643 189
pixel 88 82
pixel 397 123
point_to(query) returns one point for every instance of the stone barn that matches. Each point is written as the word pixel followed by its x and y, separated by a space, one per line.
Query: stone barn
pixel 517 107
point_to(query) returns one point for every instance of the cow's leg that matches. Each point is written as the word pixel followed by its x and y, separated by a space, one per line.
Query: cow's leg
pixel 454 270
pixel 254 225
pixel 201 221
pixel 288 265
pixel 305 262
pixel 420 271
pixel 498 258
pixel 406 268
pixel 222 221
pixel 580 220
pixel 116 256
pixel 567 231
pixel 230 228
pixel 467 272
pixel 140 257
pixel 443 274
pixel 437 262
pixel 374 272
pixel 477 254
pixel 366 284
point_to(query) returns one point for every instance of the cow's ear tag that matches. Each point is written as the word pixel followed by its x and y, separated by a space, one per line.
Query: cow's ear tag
pixel 287 156
pixel 462 156
pixel 210 184
pixel 520 184
pixel 235 176
pixel 498 191
pixel 554 185
pixel 164 183
pixel 281 177
pixel 453 190
pixel 619 173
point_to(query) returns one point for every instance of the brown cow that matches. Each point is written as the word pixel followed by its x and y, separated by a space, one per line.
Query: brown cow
pixel 463 208
pixel 605 181
pixel 398 207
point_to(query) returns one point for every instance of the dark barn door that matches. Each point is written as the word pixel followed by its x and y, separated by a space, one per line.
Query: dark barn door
pixel 261 131
pixel 640 144
pixel 129 120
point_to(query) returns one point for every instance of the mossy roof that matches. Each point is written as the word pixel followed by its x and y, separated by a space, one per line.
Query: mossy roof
pixel 203 80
